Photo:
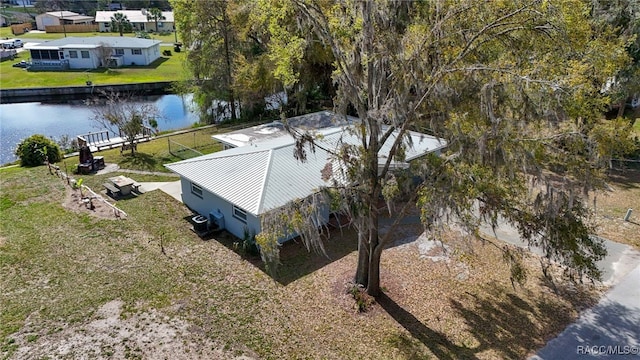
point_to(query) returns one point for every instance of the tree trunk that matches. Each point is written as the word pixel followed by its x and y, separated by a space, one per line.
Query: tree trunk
pixel 373 287
pixel 232 100
pixel 362 272
pixel 621 109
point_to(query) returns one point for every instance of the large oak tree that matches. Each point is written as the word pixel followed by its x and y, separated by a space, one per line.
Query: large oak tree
pixel 512 86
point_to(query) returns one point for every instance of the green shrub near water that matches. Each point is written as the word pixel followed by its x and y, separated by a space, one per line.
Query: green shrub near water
pixel 34 150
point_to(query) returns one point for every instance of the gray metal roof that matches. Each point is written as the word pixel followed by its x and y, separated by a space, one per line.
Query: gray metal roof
pixel 112 41
pixel 313 121
pixel 265 175
pixel 134 16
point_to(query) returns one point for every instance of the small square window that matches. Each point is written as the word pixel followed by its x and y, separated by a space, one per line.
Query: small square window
pixel 196 190
pixel 136 51
pixel 239 214
pixel 73 54
pixel 85 54
pixel 119 51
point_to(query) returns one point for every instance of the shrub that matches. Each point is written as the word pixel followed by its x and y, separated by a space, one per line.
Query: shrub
pixel 34 150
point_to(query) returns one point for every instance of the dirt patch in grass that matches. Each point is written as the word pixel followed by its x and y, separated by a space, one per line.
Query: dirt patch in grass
pixel 90 204
pixel 114 334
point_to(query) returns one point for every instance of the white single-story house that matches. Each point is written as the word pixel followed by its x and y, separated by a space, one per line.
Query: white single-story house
pixel 61 18
pixel 139 20
pixel 233 188
pixel 93 52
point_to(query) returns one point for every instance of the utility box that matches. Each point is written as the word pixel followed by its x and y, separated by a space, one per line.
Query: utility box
pixel 200 223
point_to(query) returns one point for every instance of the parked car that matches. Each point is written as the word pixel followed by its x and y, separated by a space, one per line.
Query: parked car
pixel 21 64
pixel 11 43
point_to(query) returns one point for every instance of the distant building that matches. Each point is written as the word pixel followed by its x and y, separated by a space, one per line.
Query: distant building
pixel 138 19
pixel 56 18
pixel 93 52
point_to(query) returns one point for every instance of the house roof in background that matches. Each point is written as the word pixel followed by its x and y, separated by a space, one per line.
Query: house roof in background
pixel 67 15
pixel 265 175
pixel 134 16
pixel 313 121
pixel 95 41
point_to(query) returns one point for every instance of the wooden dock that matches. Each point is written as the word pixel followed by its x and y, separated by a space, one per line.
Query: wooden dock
pixel 102 140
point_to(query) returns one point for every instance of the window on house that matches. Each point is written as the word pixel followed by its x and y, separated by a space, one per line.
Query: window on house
pixel 196 190
pixel 239 214
pixel 85 54
pixel 136 51
pixel 119 51
pixel 73 54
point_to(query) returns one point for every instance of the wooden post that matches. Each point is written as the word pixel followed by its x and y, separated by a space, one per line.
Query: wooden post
pixel 628 215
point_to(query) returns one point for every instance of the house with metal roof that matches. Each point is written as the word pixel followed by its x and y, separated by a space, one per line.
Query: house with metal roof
pixel 93 52
pixel 56 18
pixel 235 187
pixel 140 20
pixel 314 121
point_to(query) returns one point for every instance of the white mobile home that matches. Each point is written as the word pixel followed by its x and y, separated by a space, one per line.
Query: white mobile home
pixel 93 52
pixel 140 20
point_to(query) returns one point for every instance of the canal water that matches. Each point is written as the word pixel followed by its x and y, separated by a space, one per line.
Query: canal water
pixel 21 120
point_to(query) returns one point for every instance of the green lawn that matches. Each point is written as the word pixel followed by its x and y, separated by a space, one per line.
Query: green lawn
pixel 170 38
pixel 153 154
pixel 167 68
pixel 59 265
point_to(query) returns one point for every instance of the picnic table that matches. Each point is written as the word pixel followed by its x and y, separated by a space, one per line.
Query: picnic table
pixel 123 184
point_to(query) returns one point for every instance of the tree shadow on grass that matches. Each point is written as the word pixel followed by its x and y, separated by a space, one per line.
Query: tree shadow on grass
pixel 139 161
pixel 607 325
pixel 295 260
pixel 437 342
pixel 503 322
pixel 514 324
pixel 628 178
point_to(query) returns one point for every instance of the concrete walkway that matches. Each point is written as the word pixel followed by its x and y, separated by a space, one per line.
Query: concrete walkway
pixel 173 188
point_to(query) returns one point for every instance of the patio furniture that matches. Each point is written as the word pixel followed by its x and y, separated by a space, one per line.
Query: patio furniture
pixel 123 184
pixel 111 190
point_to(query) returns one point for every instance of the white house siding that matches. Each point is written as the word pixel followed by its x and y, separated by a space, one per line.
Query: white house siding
pixel 146 57
pixel 211 202
pixel 44 20
pixel 82 63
